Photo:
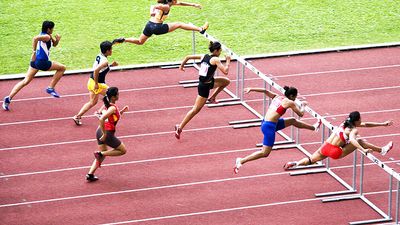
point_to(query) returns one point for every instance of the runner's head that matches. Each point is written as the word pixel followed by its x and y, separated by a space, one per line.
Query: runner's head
pixel 106 48
pixel 290 92
pixel 353 120
pixel 47 27
pixel 112 95
pixel 215 48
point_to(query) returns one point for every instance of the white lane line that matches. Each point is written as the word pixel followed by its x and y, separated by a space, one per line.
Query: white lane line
pixel 132 162
pixel 121 137
pixel 160 187
pixel 172 157
pixel 190 106
pixel 178 85
pixel 227 210
pixel 70 117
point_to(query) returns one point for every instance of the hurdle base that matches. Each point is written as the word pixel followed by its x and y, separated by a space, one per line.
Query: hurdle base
pixel 225 102
pixel 277 143
pixel 246 125
pixel 236 122
pixel 188 81
pixel 325 194
pixel 176 66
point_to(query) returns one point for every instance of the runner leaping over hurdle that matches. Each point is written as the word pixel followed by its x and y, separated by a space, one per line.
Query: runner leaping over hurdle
pixel 273 122
pixel 343 141
pixel 158 14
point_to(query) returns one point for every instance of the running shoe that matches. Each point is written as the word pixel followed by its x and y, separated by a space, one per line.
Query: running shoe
pixel 99 158
pixel 237 165
pixel 289 165
pixel 317 125
pixel 91 177
pixel 6 103
pixel 118 41
pixel 387 148
pixel 52 92
pixel 204 28
pixel 178 131
pixel 77 120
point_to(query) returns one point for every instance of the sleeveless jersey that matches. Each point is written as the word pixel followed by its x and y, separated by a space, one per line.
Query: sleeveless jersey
pixel 100 58
pixel 43 49
pixel 207 71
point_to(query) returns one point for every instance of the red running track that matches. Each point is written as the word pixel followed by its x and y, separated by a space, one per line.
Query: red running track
pixel 44 156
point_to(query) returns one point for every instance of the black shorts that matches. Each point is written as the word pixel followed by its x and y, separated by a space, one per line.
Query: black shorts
pixel 41 64
pixel 111 140
pixel 204 88
pixel 155 28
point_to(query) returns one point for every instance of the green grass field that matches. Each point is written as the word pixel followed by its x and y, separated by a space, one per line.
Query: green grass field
pixel 248 27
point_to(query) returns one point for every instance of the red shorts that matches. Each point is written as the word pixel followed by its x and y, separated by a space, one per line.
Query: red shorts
pixel 330 150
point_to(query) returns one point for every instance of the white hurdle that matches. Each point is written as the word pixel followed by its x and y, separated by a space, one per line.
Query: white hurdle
pixel 295 143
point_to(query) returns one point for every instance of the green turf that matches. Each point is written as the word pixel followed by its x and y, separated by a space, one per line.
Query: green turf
pixel 248 27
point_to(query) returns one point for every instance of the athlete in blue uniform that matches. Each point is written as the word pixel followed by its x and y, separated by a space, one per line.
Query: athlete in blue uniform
pixel 156 25
pixel 40 61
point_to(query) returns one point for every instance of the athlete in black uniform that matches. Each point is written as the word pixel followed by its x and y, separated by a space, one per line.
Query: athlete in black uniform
pixel 209 63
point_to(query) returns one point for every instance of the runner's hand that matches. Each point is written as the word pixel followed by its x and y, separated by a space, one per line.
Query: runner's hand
pixel 247 90
pixel 103 137
pixel 114 63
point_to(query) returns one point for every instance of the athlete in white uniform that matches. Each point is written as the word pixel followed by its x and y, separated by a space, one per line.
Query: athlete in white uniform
pixel 97 80
pixel 40 61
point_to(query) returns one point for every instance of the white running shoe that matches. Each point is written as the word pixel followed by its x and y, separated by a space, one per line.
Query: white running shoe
pixel 317 125
pixel 387 148
pixel 289 165
pixel 237 165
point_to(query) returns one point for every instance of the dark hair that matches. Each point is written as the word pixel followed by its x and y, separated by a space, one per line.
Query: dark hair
pixel 214 46
pixel 105 46
pixel 353 117
pixel 290 91
pixel 46 25
pixel 111 92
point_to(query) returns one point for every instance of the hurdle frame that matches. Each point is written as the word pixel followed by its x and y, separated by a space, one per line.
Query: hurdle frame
pixel 327 124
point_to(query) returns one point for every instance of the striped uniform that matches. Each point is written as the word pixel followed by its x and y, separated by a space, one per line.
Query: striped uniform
pixel 42 61
pixel 100 59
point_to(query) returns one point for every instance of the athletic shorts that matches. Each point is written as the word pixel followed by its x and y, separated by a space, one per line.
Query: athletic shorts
pixel 204 88
pixel 43 65
pixel 91 83
pixel 111 140
pixel 155 28
pixel 330 150
pixel 269 128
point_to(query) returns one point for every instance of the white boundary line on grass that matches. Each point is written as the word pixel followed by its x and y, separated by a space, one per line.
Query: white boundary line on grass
pixel 156 188
pixel 259 56
pixel 173 157
pixel 179 85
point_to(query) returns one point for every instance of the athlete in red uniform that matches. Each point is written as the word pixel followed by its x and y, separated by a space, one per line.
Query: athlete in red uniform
pixel 273 122
pixel 105 133
pixel 343 141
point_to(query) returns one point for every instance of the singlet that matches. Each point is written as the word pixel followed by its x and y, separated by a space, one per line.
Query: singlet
pixel 207 71
pixel 276 104
pixel 100 58
pixel 43 49
pixel 339 131
pixel 158 14
pixel 111 121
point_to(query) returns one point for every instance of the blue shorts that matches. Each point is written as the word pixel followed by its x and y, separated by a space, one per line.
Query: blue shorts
pixel 269 128
pixel 43 65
